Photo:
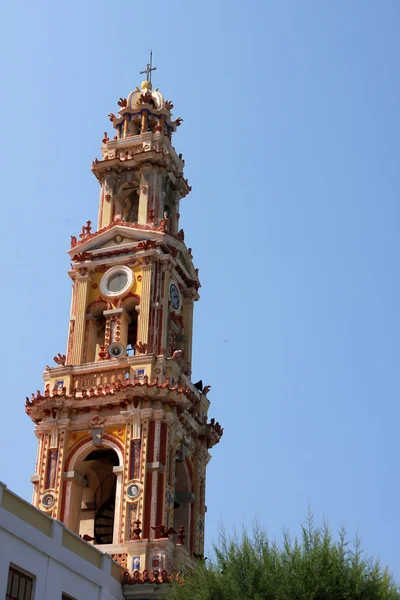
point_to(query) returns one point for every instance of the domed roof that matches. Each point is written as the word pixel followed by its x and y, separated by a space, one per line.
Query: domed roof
pixel 146 89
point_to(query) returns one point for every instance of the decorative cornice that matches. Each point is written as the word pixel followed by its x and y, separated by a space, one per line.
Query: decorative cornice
pixel 124 227
pixel 156 576
pixel 174 395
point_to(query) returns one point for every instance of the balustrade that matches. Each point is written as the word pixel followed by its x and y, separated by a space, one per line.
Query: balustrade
pixel 99 379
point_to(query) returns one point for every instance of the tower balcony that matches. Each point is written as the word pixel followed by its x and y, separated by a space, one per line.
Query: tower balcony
pixel 105 374
pixel 136 149
pixel 100 374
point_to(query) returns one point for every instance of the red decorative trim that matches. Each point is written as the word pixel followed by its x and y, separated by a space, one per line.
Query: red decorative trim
pixel 62 511
pixel 163 445
pixel 111 389
pixel 98 300
pixel 154 577
pixel 87 439
pixel 161 227
pixel 120 301
pixel 147 507
pixel 160 498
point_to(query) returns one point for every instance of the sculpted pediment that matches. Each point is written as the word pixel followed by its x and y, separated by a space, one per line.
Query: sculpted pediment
pixel 116 242
pixel 116 236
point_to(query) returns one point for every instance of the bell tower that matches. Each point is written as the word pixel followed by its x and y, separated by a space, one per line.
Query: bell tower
pixel 123 432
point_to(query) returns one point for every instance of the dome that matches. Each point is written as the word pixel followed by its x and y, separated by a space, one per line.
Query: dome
pixel 146 88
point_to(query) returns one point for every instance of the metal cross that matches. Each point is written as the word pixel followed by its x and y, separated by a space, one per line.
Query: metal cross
pixel 149 68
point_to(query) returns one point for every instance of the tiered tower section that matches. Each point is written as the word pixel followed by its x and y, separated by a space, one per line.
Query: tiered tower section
pixel 123 432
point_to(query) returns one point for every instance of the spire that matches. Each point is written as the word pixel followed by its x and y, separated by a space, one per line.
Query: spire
pixel 149 68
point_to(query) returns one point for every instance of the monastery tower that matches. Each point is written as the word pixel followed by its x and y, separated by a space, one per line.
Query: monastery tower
pixel 123 433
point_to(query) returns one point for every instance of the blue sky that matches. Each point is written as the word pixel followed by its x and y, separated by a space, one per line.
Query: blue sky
pixel 290 137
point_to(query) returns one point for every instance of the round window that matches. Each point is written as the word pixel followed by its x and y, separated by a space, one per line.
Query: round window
pixel 116 281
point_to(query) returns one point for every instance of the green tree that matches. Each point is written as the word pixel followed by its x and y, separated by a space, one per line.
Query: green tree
pixel 318 567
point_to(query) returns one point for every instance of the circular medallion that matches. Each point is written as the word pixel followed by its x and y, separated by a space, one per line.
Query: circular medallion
pixel 175 296
pixel 133 490
pixel 116 281
pixel 48 500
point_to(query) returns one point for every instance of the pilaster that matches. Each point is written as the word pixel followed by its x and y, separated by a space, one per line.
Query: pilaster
pixel 83 284
pixel 144 315
pixel 188 304
pixel 119 321
pixel 166 271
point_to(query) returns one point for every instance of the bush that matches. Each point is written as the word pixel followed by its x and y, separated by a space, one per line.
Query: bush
pixel 316 568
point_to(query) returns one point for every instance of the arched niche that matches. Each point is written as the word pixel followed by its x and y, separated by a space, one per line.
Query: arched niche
pixel 93 492
pixel 183 499
pixel 126 206
pixel 96 325
pixel 130 303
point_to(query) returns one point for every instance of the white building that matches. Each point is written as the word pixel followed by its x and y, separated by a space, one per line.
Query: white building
pixel 40 559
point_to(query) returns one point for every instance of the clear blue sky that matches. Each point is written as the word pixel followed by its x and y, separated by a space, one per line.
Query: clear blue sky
pixel 291 139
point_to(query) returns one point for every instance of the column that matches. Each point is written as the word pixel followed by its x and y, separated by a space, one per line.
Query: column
pixel 144 122
pixel 119 472
pixel 73 498
pixel 125 126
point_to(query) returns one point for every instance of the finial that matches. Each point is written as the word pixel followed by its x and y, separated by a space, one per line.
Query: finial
pixel 181 534
pixel 149 68
pixel 137 531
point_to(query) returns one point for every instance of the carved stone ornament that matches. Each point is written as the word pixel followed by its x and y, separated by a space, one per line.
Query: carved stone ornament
pixel 133 490
pixel 96 425
pixel 96 421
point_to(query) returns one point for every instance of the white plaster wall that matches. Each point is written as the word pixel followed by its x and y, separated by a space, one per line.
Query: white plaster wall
pixel 55 568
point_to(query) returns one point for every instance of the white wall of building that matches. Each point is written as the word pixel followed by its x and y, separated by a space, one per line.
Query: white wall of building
pixel 55 568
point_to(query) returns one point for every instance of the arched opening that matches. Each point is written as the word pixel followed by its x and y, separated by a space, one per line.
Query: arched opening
pixel 130 305
pixel 130 206
pixel 126 202
pixel 93 495
pixel 97 331
pixel 169 208
pixel 183 500
pixel 134 125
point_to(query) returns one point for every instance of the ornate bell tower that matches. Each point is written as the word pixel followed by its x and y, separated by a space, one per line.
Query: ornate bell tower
pixel 123 433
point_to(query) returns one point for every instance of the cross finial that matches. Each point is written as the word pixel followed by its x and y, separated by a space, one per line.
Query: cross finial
pixel 149 68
